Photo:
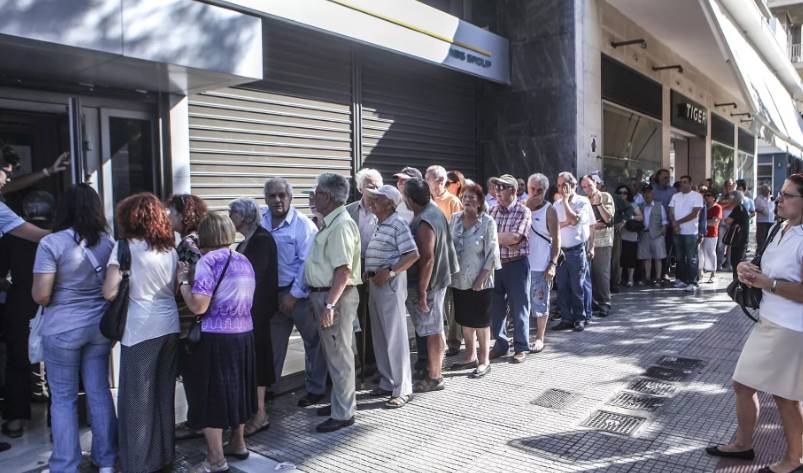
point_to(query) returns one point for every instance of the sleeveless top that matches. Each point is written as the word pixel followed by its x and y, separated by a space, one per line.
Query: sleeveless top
pixel 445 263
pixel 782 260
pixel 540 249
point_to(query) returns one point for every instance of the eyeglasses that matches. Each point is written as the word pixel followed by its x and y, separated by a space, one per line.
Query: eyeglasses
pixel 501 187
pixel 785 195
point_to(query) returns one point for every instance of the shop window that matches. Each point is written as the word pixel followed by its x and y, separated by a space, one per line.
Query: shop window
pixel 745 165
pixel 764 174
pixel 631 146
pixel 721 164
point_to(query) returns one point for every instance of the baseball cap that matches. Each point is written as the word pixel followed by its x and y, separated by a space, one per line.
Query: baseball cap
pixel 408 173
pixel 388 191
pixel 507 180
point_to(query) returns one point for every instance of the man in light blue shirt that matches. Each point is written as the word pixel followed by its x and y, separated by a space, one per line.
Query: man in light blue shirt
pixel 294 234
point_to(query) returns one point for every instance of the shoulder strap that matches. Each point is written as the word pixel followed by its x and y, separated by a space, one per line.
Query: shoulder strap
pixel 222 273
pixel 548 240
pixel 96 267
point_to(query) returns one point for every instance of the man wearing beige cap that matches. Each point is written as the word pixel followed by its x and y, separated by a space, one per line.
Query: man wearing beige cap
pixel 401 177
pixel 390 252
pixel 512 282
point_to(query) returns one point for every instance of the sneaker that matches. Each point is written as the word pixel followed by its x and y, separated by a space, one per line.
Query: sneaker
pixel 679 285
pixel 578 326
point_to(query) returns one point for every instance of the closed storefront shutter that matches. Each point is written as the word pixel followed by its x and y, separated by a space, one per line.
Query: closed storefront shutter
pixel 296 123
pixel 416 114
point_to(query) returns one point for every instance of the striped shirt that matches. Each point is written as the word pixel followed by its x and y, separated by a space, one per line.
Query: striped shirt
pixel 514 219
pixel 391 240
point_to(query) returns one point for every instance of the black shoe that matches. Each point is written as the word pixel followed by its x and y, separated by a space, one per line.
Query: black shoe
pixel 428 384
pixel 563 326
pixel 479 373
pixel 311 399
pixel 494 354
pixel 331 425
pixel 12 433
pixel 579 326
pixel 741 455
pixel 324 411
pixel 602 314
pixel 452 351
pixel 4 446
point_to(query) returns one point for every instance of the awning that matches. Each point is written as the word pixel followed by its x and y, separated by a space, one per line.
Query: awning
pixel 772 104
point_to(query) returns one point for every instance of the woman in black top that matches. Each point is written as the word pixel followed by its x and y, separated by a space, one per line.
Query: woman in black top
pixel 17 257
pixel 739 225
pixel 260 249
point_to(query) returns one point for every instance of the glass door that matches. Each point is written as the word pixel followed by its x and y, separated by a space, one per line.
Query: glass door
pixel 129 155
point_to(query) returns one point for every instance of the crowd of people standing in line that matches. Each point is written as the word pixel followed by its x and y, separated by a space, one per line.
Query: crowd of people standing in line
pixel 462 263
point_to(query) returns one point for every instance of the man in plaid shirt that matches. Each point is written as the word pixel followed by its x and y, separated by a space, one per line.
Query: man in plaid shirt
pixel 512 282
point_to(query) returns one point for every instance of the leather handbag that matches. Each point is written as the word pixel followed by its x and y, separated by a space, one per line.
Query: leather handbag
pixel 635 226
pixel 194 335
pixel 750 297
pixel 112 324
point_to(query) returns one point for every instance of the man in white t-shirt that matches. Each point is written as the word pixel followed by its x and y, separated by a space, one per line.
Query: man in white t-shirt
pixel 575 217
pixel 684 210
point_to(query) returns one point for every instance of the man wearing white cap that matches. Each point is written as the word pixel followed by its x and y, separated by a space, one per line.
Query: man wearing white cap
pixel 389 253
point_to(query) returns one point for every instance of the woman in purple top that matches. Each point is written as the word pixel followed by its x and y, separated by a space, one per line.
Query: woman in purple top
pixel 220 375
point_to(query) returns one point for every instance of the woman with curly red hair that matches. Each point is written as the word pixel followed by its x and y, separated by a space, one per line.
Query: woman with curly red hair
pixel 148 354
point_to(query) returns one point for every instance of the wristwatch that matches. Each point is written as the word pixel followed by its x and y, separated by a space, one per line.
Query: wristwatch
pixel 330 306
pixel 184 283
pixel 774 286
pixel 392 274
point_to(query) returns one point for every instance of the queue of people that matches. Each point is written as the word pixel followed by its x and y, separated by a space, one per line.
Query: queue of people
pixel 466 266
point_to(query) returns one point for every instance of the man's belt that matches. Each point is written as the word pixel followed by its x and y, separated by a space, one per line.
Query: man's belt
pixel 319 289
pixel 512 260
pixel 575 248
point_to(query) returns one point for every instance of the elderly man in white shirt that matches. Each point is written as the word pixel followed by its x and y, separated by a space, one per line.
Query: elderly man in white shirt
pixel 576 239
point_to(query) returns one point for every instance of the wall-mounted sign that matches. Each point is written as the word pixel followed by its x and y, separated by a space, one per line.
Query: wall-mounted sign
pixel 407 27
pixel 688 115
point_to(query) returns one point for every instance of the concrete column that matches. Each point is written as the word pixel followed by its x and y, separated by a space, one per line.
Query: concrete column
pixel 588 67
pixel 666 131
pixel 179 143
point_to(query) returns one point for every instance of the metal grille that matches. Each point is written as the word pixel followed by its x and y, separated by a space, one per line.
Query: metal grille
pixel 667 374
pixel 637 402
pixel 614 423
pixel 556 399
pixel 681 363
pixel 652 387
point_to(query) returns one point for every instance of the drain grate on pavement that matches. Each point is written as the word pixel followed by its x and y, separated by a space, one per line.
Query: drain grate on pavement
pixel 614 423
pixel 652 387
pixel 556 399
pixel 668 374
pixel 681 363
pixel 637 402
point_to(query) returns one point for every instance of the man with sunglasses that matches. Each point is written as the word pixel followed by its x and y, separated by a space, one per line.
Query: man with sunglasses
pixel 10 222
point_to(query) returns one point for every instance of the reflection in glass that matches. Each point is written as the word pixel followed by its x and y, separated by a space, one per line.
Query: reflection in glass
pixel 131 144
pixel 631 146
pixel 721 164
pixel 744 170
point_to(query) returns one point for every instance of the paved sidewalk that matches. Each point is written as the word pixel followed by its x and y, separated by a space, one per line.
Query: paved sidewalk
pixel 491 424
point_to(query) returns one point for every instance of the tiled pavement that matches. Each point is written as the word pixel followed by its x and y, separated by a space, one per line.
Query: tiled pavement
pixel 491 424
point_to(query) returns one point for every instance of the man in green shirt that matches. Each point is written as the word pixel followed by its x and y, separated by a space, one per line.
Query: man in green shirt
pixel 332 271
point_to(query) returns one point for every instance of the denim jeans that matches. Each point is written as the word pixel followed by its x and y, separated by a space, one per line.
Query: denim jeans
pixel 81 353
pixel 571 279
pixel 511 288
pixel 687 255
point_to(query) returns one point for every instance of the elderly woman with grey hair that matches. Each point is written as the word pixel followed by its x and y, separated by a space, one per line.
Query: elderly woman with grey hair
pixel 260 249
pixel 738 231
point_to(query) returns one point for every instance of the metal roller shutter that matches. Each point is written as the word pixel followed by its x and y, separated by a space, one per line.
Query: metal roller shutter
pixel 294 124
pixel 416 114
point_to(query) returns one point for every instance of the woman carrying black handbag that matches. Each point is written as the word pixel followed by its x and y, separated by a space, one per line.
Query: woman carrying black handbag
pixel 772 358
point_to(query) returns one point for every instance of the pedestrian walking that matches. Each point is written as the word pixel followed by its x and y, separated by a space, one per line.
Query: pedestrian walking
pixel 477 247
pixel 428 279
pixel 544 241
pixel 651 245
pixel 512 280
pixel 600 275
pixel 765 214
pixel 738 231
pixel 634 226
pixel 772 358
pixel 332 271
pixel 68 284
pixel 575 218
pixel 293 233
pixel 221 374
pixel 390 252
pixel 708 254
pixel 366 179
pixel 149 348
pixel 260 249
pixel 17 257
pixel 684 209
